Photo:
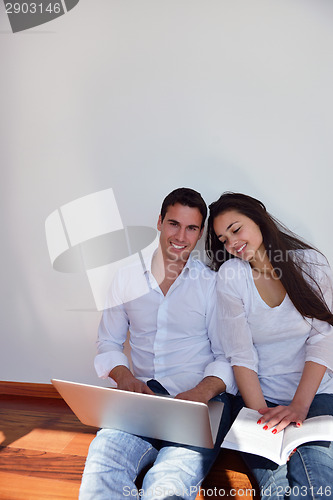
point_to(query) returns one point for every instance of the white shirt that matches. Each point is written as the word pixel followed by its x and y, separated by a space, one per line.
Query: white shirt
pixel 173 338
pixel 274 342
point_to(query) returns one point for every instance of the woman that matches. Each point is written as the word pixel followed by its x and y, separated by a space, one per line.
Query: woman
pixel 275 297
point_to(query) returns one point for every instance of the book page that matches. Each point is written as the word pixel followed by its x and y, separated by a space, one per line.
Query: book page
pixel 313 429
pixel 248 436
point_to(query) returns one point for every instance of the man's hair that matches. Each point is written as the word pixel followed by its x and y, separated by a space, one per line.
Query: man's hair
pixel 187 197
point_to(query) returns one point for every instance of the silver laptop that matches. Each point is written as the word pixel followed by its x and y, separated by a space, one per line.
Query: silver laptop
pixel 176 420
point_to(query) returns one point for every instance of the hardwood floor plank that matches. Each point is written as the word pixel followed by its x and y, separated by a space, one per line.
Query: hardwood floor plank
pixel 79 445
pixel 16 487
pixel 41 464
pixel 27 402
pixel 19 424
pixel 29 389
pixel 43 418
pixel 44 440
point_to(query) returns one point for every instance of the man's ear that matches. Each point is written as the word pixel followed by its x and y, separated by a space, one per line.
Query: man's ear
pixel 159 223
pixel 201 233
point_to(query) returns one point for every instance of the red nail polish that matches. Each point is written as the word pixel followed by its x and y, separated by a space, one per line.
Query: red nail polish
pixel 298 424
pixel 265 427
pixel 274 431
pixel 259 421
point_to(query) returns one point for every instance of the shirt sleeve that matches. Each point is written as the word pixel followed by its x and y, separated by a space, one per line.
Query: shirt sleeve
pixel 319 346
pixel 236 335
pixel 220 367
pixel 112 333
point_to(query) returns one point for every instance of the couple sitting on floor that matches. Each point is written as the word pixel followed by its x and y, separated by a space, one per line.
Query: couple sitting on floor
pixel 254 329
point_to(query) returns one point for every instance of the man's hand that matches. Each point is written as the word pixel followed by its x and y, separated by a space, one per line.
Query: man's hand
pixel 127 382
pixel 194 394
pixel 281 416
pixel 208 388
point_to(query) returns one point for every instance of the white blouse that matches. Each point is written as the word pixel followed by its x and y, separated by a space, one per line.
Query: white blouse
pixel 274 342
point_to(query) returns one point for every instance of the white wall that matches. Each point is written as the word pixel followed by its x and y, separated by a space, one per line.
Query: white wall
pixel 145 96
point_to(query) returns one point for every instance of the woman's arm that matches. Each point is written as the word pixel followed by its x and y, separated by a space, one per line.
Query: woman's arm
pixel 249 387
pixel 281 416
pixel 319 347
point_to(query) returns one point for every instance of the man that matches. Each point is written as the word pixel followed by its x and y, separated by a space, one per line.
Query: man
pixel 168 306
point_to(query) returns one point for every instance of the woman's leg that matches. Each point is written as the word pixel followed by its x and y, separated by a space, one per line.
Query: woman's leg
pixel 311 467
pixel 309 472
pixel 271 478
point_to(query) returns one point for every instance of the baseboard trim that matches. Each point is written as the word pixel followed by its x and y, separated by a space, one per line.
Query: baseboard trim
pixel 29 389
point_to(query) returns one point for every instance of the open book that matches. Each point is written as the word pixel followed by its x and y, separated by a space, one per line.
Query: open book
pixel 246 435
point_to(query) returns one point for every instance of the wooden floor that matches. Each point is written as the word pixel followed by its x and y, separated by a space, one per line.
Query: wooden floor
pixel 43 447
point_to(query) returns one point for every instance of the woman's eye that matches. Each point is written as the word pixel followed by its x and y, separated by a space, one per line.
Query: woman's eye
pixel 236 230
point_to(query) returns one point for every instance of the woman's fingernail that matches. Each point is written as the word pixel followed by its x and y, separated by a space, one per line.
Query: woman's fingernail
pixel 298 424
pixel 265 427
pixel 274 431
pixel 259 421
pixel 294 450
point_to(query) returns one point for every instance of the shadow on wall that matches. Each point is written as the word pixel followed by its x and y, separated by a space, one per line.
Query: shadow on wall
pixel 87 235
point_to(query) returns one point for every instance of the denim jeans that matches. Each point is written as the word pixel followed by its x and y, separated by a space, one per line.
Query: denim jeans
pixel 116 458
pixel 309 472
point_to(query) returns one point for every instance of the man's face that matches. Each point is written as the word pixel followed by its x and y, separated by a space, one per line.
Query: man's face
pixel 180 232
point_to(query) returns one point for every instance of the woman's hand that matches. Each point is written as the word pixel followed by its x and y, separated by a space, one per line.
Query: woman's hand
pixel 281 416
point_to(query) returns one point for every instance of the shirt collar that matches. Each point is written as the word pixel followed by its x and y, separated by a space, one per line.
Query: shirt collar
pixel 148 257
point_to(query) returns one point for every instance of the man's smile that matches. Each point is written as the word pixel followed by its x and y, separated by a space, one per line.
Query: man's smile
pixel 177 247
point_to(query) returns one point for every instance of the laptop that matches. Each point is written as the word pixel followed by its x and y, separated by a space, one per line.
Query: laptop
pixel 160 417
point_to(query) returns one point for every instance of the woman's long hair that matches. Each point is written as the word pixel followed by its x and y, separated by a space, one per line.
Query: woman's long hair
pixel 278 240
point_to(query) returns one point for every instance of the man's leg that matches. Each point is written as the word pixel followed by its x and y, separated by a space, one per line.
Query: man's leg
pixel 179 470
pixel 113 463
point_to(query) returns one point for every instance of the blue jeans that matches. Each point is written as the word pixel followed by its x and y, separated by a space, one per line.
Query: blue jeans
pixel 309 472
pixel 116 458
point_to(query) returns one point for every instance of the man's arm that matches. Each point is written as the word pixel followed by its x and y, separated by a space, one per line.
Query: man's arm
pixel 208 388
pixel 112 333
pixel 127 382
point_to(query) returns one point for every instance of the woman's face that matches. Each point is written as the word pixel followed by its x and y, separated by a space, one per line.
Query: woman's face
pixel 240 235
